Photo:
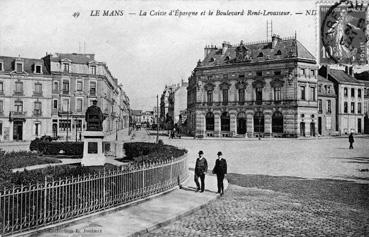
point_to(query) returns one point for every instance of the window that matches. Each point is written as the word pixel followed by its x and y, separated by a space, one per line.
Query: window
pixel 1 106
pixel 359 93
pixel 210 96
pixel 1 87
pixel 312 90
pixel 93 70
pixel 37 128
pixel 302 89
pixel 79 125
pixel 277 93
pixel 329 106
pixel 65 105
pixel 345 107
pixel 38 69
pixel 277 73
pixel 260 55
pixel 329 90
pixel 345 93
pixel 79 105
pixel 64 125
pixel 55 104
pixel 225 96
pixel 352 92
pixel 240 76
pixel 259 95
pixel 302 70
pixel 66 67
pixel 241 95
pixel 352 107
pixel 38 89
pixel 37 108
pixel 79 85
pixel 312 73
pixel 19 67
pixel 65 87
pixel 19 87
pixel 278 52
pixel 359 108
pixel 259 73
pixel 1 128
pixel 320 106
pixel 18 106
pixel 92 88
pixel 1 66
pixel 320 88
pixel 55 86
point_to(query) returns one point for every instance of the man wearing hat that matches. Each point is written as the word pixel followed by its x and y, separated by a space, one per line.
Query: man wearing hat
pixel 220 169
pixel 201 168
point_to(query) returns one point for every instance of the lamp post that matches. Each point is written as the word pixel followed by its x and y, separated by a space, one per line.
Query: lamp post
pixel 68 124
pixel 157 118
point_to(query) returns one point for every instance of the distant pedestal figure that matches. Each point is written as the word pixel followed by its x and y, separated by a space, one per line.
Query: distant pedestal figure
pixel 93 154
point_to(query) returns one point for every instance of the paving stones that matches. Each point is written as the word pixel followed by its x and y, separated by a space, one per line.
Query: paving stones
pixel 245 211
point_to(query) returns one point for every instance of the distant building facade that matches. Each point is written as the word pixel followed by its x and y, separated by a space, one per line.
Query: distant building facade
pixel 327 98
pixel 350 100
pixel 49 96
pixel 254 89
pixel 25 95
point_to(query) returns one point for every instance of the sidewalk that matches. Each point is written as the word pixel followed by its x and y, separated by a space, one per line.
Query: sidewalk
pixel 137 219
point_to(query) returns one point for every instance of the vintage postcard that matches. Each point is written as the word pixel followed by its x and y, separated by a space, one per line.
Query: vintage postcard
pixel 184 118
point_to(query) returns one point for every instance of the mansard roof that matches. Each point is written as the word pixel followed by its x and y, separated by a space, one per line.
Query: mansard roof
pixel 342 77
pixel 28 64
pixel 74 57
pixel 256 52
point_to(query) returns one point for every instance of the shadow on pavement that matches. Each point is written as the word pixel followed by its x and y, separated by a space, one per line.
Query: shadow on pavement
pixel 356 160
pixel 347 192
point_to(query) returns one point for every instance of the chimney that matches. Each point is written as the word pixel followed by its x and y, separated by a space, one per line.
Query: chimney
pixel 348 70
pixel 225 47
pixel 275 40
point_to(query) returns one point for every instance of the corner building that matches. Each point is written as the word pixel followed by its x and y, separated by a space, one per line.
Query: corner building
pixel 254 89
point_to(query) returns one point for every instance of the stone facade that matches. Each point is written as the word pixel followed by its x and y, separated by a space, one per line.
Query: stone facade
pixel 327 98
pixel 25 95
pixel 256 89
pixel 49 96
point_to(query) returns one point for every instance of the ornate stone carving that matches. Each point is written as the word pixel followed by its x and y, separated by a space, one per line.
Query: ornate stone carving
pixel 275 83
pixel 241 84
pixel 259 83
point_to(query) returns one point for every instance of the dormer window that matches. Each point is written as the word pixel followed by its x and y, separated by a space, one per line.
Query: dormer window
pixel 278 52
pixel 19 67
pixel 38 69
pixel 93 70
pixel 226 59
pixel 65 67
pixel 211 60
pixel 260 55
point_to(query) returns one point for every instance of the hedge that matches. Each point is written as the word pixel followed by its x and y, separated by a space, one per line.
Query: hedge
pixel 144 151
pixel 55 148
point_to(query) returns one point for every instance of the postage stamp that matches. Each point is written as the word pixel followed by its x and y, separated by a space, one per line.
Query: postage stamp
pixel 343 33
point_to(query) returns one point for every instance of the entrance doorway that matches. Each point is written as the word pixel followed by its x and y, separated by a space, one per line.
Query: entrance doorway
pixel 312 129
pixel 320 125
pixel 18 130
pixel 359 125
pixel 277 122
pixel 302 129
pixel 241 123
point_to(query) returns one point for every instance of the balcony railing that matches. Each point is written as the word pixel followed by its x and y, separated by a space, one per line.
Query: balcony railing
pixel 18 93
pixel 37 93
pixel 37 113
pixel 249 102
pixel 17 115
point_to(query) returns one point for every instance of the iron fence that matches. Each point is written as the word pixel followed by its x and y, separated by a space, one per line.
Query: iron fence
pixel 25 208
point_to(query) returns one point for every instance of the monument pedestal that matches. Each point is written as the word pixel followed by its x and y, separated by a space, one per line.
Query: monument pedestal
pixel 93 154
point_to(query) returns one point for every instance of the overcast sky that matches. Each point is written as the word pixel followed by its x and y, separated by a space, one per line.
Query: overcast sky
pixel 144 52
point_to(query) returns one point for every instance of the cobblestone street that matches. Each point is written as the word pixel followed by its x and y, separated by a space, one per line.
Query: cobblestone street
pixel 279 206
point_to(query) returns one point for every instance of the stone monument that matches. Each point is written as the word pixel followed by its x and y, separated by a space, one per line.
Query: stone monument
pixel 93 137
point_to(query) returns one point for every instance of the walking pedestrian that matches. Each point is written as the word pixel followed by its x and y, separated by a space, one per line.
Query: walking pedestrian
pixel 201 168
pixel 351 141
pixel 220 169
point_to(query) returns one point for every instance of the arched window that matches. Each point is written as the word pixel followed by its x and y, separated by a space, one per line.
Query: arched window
pixel 225 121
pixel 277 122
pixel 211 60
pixel 278 52
pixel 209 121
pixel 259 122
pixel 241 123
pixel 260 55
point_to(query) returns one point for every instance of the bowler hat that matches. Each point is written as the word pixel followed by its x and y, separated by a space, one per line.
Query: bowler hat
pixel 219 153
pixel 201 152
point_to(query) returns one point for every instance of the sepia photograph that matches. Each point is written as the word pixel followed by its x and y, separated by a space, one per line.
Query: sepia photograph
pixel 184 118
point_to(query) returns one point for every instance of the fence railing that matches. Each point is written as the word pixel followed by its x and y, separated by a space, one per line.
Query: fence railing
pixel 25 208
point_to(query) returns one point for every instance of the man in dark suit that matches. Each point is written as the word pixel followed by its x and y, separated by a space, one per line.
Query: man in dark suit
pixel 220 169
pixel 201 168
